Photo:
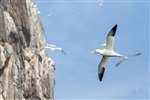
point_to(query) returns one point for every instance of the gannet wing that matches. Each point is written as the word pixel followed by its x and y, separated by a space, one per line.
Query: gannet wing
pixel 110 38
pixel 101 67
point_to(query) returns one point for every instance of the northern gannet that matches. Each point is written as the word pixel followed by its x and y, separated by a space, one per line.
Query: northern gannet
pixel 108 52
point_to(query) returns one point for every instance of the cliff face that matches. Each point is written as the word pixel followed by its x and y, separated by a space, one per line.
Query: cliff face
pixel 26 72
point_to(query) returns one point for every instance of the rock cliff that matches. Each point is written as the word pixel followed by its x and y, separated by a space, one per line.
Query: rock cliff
pixel 26 71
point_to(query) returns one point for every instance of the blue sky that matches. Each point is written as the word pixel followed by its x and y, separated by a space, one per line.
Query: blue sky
pixel 79 26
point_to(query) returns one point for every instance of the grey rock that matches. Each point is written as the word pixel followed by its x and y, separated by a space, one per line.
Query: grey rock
pixel 26 71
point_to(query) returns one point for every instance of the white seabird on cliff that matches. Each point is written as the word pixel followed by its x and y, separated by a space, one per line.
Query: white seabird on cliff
pixel 108 52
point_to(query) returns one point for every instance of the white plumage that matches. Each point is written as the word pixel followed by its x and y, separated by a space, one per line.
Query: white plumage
pixel 108 52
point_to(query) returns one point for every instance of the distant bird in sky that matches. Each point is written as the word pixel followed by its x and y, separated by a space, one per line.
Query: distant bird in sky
pixel 100 2
pixel 108 52
pixel 53 47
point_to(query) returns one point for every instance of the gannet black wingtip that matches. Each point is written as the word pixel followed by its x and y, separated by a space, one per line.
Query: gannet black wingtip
pixel 114 30
pixel 101 74
pixel 115 25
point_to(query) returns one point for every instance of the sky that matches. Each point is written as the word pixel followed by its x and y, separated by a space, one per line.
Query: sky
pixel 80 26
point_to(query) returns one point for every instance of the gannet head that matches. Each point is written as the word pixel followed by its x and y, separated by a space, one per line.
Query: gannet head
pixel 97 51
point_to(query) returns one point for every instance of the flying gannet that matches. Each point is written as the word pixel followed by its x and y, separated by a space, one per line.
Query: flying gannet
pixel 108 52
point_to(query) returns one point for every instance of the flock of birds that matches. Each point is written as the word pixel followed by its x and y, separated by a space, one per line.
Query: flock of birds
pixel 107 52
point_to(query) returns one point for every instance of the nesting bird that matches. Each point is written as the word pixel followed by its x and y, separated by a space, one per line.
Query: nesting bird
pixel 50 62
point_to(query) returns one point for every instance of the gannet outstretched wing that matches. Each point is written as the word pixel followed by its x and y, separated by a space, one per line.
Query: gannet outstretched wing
pixel 101 67
pixel 110 38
